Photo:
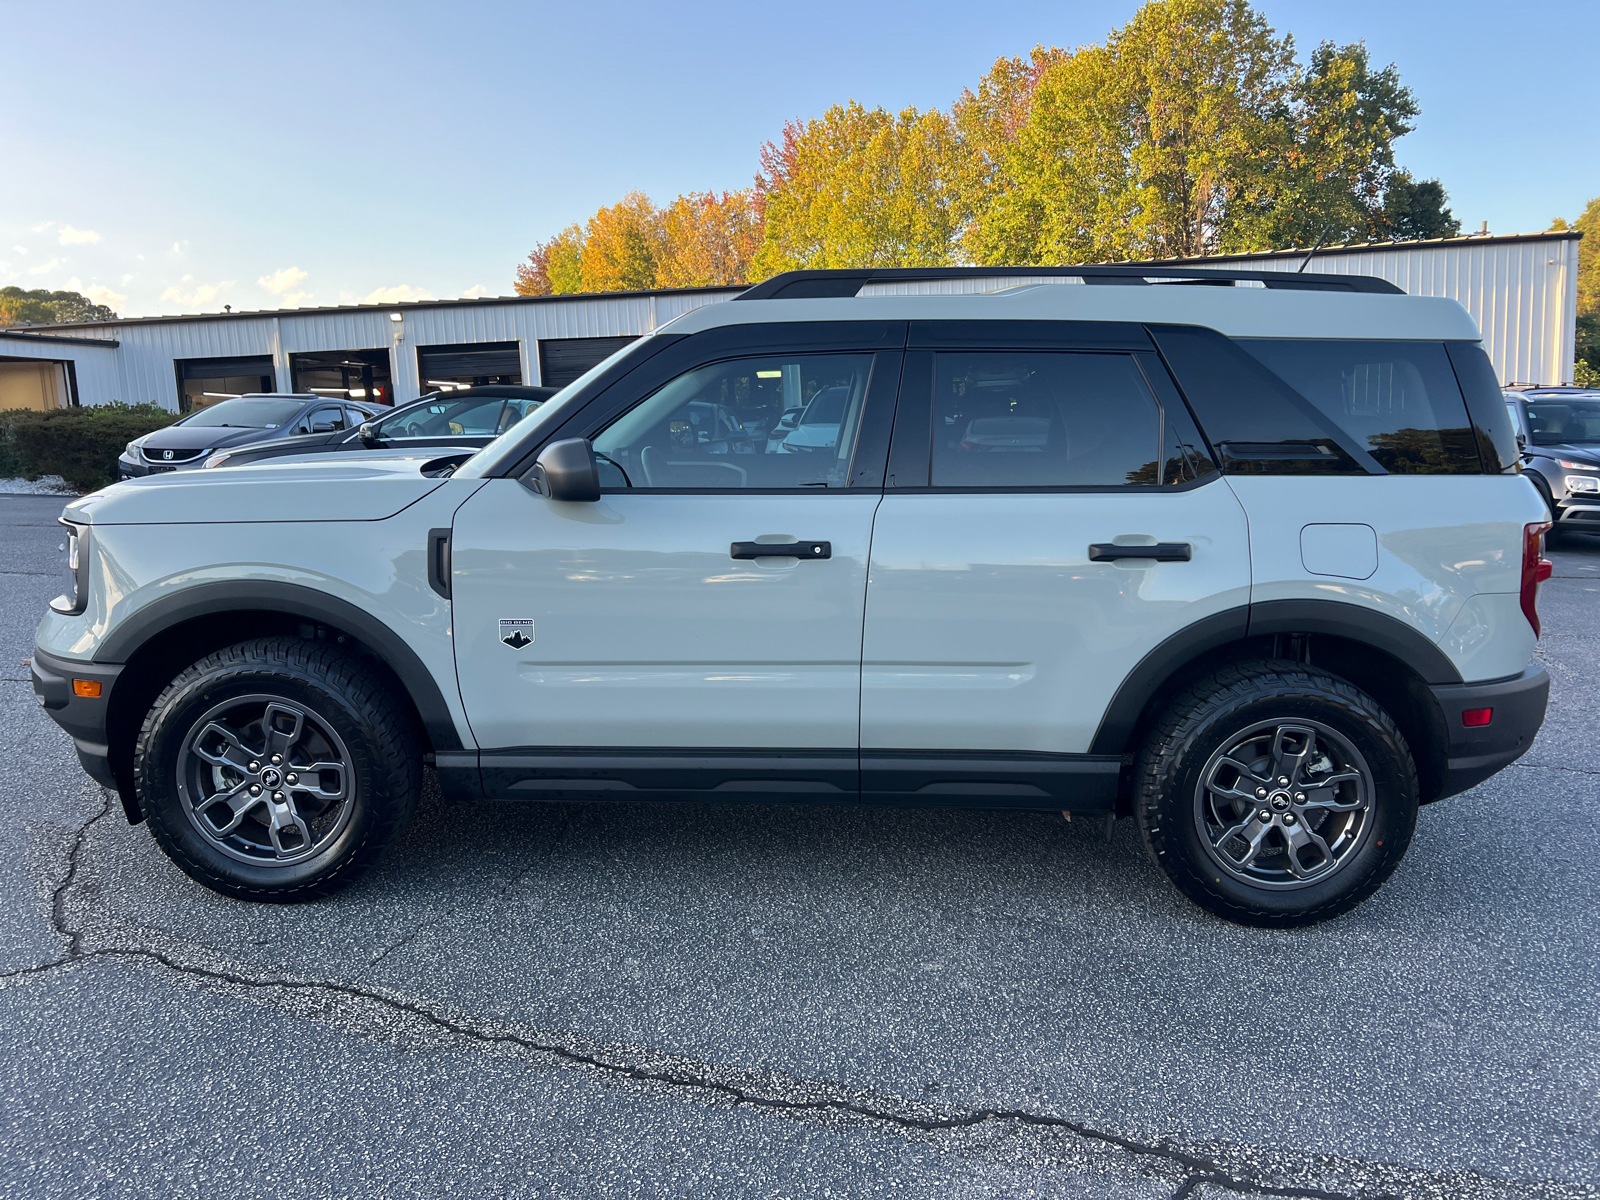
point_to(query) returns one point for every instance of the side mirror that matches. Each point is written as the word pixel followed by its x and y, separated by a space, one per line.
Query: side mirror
pixel 368 434
pixel 1522 441
pixel 565 470
pixel 324 427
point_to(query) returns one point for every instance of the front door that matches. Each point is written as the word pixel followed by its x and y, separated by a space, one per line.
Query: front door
pixel 1056 523
pixel 699 628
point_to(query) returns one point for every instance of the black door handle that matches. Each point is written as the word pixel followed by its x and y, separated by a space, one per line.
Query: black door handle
pixel 802 550
pixel 1161 552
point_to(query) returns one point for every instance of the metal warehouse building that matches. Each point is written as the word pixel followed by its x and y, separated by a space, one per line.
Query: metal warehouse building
pixel 1521 289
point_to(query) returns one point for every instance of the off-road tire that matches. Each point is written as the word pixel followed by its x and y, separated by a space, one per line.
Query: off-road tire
pixel 376 726
pixel 1202 719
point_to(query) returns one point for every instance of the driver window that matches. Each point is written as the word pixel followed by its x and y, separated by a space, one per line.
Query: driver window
pixel 326 416
pixel 787 421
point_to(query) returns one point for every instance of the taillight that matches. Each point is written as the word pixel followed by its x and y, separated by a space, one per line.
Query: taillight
pixel 1535 570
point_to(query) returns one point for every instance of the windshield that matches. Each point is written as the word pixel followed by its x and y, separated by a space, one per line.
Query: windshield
pixel 247 413
pixel 1565 420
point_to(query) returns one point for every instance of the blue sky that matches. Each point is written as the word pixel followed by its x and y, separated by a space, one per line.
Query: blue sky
pixel 175 157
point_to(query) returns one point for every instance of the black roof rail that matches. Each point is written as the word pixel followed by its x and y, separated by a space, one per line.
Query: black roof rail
pixel 808 285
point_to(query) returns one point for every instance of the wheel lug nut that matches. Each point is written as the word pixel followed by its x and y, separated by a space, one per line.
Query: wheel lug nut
pixel 255 766
pixel 1262 792
pixel 1283 780
pixel 278 796
pixel 1266 815
pixel 291 778
pixel 255 789
pixel 1288 818
pixel 278 758
pixel 1300 796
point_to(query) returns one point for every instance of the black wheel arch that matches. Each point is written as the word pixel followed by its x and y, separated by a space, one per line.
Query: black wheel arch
pixel 162 638
pixel 1389 660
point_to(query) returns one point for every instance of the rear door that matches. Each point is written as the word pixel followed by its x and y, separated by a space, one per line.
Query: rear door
pixel 1052 517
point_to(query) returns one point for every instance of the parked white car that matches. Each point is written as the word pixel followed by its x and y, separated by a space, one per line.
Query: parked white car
pixel 1252 565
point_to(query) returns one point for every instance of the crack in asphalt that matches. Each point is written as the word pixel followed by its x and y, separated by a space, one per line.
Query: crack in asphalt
pixel 1554 767
pixel 1189 1171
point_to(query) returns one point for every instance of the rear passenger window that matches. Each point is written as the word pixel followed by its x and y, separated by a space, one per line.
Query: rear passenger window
pixel 1047 419
pixel 1399 401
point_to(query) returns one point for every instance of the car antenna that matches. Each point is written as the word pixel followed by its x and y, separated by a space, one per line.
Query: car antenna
pixel 1306 261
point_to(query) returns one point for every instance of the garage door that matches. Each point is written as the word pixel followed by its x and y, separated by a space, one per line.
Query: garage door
pixel 469 363
pixel 561 360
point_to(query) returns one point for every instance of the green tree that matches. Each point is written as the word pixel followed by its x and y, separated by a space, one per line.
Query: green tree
pixel 1194 129
pixel 43 307
pixel 859 187
pixel 1414 210
pixel 554 267
pixel 1587 366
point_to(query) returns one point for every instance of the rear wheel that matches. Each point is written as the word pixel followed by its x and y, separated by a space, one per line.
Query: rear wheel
pixel 1274 794
pixel 277 769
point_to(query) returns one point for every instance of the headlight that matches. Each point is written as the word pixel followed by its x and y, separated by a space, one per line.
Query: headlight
pixel 216 460
pixel 1583 483
pixel 77 550
pixel 1577 466
pixel 132 449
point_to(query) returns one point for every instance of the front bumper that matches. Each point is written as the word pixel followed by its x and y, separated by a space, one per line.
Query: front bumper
pixel 84 717
pixel 1475 753
pixel 1579 513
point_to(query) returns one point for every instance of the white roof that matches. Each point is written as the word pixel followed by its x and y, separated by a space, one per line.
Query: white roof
pixel 1235 311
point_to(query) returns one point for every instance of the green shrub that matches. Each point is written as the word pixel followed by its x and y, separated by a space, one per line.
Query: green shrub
pixel 79 444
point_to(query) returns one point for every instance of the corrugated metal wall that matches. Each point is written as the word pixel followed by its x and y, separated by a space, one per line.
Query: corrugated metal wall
pixel 1521 290
pixel 141 367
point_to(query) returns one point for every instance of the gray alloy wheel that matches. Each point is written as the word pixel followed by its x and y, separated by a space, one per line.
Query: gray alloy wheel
pixel 265 781
pixel 1284 804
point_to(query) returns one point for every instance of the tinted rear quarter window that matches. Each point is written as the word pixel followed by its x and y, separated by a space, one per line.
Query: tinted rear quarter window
pixel 1399 401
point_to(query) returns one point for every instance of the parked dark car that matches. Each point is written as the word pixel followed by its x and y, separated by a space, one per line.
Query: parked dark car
pixel 1559 432
pixel 466 418
pixel 247 420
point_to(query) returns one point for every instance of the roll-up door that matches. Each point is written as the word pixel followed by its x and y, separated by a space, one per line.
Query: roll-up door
pixel 561 360
pixel 468 364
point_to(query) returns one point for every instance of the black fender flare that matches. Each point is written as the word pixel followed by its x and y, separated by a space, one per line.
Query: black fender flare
pixel 295 600
pixel 1330 617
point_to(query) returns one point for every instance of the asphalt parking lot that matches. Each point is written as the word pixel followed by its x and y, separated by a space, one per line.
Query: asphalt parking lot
pixel 625 1000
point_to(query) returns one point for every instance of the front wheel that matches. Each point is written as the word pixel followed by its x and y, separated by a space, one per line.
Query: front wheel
pixel 277 769
pixel 1274 794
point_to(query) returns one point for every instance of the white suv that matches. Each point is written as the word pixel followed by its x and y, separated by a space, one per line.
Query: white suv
pixel 1249 563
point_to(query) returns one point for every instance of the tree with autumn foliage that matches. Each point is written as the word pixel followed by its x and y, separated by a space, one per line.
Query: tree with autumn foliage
pixel 859 187
pixel 1193 129
pixel 702 239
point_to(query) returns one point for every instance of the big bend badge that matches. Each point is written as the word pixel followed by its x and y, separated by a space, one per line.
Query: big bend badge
pixel 517 632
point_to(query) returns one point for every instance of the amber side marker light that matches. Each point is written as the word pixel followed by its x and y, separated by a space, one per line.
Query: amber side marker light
pixel 1471 717
pixel 89 688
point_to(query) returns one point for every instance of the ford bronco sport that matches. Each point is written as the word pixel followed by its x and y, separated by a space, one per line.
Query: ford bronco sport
pixel 1249 562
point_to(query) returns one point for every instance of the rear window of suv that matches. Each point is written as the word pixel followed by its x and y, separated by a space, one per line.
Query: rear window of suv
pixel 1399 401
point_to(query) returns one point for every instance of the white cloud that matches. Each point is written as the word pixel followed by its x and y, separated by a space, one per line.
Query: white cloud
pixel 98 293
pixel 77 237
pixel 397 294
pixel 43 227
pixel 140 257
pixel 473 292
pixel 200 295
pixel 45 266
pixel 281 280
pixel 20 249
pixel 126 280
